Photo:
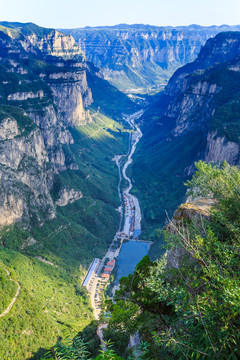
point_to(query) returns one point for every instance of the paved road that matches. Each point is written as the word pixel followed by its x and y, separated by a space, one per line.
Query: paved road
pixel 117 159
pixel 132 208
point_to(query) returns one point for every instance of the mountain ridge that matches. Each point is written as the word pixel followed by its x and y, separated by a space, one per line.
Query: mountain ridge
pixel 141 56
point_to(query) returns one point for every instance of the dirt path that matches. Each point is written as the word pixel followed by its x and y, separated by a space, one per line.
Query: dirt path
pixel 15 297
pixel 100 335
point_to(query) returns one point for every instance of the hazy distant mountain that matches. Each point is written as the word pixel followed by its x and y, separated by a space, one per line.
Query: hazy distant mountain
pixel 142 56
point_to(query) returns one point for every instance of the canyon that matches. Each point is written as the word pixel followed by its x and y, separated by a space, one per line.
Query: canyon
pixel 62 122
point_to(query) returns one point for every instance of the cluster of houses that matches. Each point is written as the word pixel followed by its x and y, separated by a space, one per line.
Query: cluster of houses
pixel 94 270
pixel 108 269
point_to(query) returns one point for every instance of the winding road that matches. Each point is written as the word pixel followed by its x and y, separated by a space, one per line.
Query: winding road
pixel 131 201
pixel 126 198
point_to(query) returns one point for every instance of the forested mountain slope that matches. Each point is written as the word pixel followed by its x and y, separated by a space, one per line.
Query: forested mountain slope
pixel 196 117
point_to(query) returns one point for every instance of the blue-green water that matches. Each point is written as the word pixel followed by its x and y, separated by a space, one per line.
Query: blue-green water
pixel 130 255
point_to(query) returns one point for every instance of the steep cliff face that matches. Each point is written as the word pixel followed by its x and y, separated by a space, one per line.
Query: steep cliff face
pixel 35 39
pixel 192 110
pixel 219 149
pixel 196 117
pixel 217 50
pixel 68 196
pixel 24 171
pixel 72 95
pixel 133 56
pixel 37 83
pixel 204 96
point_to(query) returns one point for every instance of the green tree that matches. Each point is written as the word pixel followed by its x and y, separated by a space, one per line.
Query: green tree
pixel 204 290
pixel 191 311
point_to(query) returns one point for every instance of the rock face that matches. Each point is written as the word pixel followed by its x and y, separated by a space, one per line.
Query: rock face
pixel 68 196
pixel 219 149
pixel 43 93
pixel 192 211
pixel 8 129
pixel 47 41
pixel 24 177
pixel 20 96
pixel 72 96
pixel 200 93
pixel 133 56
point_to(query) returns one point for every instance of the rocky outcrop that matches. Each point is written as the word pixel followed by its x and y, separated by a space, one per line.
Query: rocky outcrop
pixel 68 196
pixel 219 149
pixel 194 109
pixel 53 43
pixel 72 95
pixel 54 134
pixel 24 178
pixel 21 96
pixel 192 213
pixel 8 129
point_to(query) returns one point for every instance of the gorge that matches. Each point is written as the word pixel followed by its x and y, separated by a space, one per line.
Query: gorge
pixel 62 123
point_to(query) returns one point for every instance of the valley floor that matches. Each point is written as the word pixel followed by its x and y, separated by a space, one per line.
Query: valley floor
pixel 98 277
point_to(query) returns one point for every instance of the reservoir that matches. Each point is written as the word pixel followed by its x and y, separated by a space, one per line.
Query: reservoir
pixel 130 255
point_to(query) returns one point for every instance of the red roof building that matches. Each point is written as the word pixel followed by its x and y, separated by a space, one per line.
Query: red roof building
pixel 111 263
pixel 107 276
pixel 108 269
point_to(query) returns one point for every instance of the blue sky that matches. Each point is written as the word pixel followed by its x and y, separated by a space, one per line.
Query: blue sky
pixel 79 13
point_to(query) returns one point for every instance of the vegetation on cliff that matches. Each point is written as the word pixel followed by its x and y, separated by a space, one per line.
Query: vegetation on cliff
pixel 196 117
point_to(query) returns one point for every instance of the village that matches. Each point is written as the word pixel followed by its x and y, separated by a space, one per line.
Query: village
pixel 99 272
